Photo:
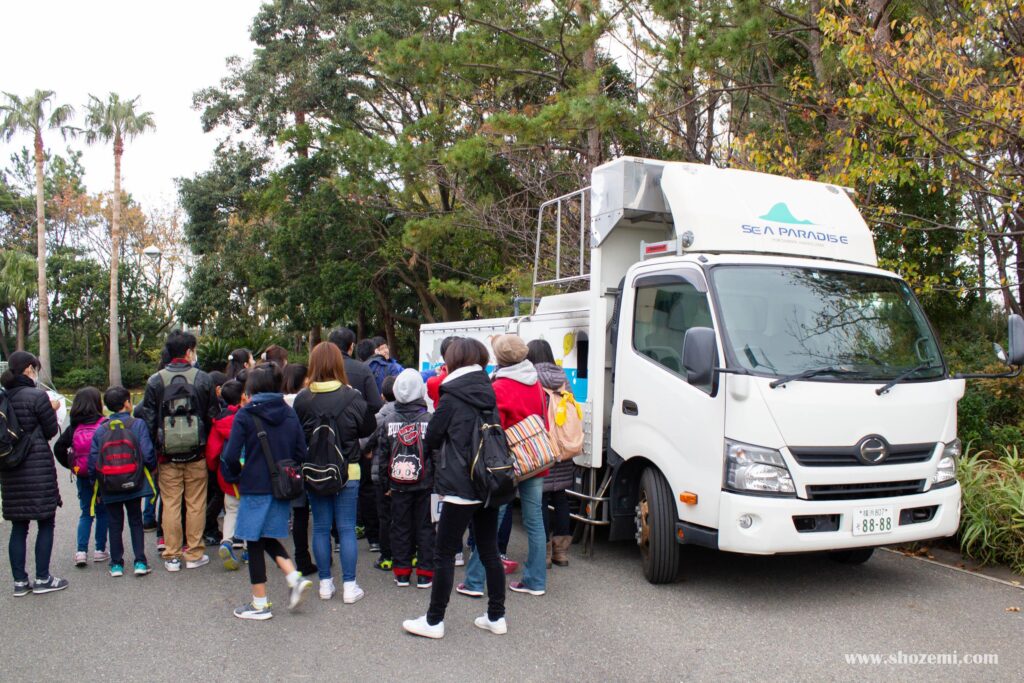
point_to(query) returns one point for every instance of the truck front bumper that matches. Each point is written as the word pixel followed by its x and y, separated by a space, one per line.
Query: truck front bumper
pixel 792 525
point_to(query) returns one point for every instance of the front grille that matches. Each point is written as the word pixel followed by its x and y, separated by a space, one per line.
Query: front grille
pixel 845 456
pixel 883 489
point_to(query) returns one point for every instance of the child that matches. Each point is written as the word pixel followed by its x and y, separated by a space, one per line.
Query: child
pixel 263 519
pixel 231 394
pixel 72 451
pixel 381 487
pixel 407 469
pixel 132 448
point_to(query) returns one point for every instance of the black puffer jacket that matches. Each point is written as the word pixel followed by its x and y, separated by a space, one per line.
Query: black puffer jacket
pixel 450 432
pixel 361 378
pixel 30 490
pixel 355 421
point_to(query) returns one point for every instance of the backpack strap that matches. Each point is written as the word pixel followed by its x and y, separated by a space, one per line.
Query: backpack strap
pixel 261 434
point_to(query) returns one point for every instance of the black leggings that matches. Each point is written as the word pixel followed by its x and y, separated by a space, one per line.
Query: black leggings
pixel 450 530
pixel 556 522
pixel 257 563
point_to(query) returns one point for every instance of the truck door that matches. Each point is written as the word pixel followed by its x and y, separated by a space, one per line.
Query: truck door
pixel 656 414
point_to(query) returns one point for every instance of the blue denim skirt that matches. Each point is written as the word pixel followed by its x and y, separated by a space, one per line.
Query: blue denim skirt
pixel 262 516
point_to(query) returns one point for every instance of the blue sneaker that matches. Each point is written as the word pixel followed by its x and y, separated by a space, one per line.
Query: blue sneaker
pixel 227 555
pixel 141 568
pixel 117 570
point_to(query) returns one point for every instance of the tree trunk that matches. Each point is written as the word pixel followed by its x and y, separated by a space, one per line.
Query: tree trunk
pixel 22 326
pixel 44 301
pixel 3 334
pixel 590 68
pixel 114 371
pixel 315 336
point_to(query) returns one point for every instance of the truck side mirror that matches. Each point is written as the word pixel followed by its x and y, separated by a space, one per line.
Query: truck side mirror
pixel 700 355
pixel 1016 355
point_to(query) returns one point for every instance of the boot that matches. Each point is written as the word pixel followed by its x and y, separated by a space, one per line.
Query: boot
pixel 548 555
pixel 560 550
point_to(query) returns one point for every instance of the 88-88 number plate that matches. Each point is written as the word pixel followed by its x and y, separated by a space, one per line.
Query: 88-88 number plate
pixel 876 520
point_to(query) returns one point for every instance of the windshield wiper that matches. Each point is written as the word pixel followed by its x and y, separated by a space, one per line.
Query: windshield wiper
pixel 813 372
pixel 903 376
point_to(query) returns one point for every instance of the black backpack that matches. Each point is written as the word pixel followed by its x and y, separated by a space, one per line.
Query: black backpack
pixel 285 477
pixel 490 470
pixel 181 424
pixel 14 442
pixel 406 464
pixel 324 471
pixel 119 467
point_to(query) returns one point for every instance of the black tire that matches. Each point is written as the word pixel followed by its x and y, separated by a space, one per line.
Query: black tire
pixel 656 528
pixel 853 556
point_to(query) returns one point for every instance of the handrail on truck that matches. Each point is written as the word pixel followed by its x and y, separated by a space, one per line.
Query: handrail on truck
pixel 580 275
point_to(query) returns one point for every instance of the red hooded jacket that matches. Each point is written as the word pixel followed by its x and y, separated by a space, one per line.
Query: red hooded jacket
pixel 434 385
pixel 219 434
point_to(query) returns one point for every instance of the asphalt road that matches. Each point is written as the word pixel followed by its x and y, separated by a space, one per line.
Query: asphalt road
pixel 728 618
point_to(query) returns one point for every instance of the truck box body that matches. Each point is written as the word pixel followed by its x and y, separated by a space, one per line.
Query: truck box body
pixel 782 275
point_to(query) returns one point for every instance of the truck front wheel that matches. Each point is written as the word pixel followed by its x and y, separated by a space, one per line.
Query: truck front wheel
pixel 655 528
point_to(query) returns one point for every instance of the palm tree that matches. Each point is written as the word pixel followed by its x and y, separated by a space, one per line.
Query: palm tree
pixel 29 115
pixel 115 120
pixel 17 272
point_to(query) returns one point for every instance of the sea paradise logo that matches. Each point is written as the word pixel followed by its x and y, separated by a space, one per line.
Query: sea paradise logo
pixel 780 222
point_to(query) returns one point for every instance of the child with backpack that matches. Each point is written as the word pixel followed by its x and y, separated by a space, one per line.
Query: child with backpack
pixel 382 490
pixel 231 394
pixel 72 451
pixel 406 468
pixel 121 460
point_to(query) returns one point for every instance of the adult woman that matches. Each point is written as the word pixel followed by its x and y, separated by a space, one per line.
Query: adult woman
pixel 557 528
pixel 328 394
pixel 73 452
pixel 239 360
pixel 263 519
pixel 29 491
pixel 465 394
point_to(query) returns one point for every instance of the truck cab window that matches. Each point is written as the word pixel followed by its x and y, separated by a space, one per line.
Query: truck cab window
pixel 662 315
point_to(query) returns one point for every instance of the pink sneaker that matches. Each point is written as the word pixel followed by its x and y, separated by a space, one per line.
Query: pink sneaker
pixel 510 565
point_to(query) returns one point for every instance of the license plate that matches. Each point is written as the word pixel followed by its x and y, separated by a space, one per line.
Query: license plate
pixel 877 520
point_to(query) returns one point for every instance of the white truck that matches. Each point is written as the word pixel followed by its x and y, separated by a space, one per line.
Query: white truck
pixel 752 381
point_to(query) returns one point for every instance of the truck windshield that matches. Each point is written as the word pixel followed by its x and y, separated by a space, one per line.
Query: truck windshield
pixel 782 321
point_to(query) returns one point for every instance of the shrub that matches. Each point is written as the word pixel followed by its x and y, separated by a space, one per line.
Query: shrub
pixel 992 521
pixel 76 378
pixel 135 373
pixel 213 353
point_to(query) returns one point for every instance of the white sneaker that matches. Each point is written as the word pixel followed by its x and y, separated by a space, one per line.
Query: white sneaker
pixel 351 592
pixel 298 592
pixel 327 589
pixel 81 559
pixel 100 556
pixel 460 561
pixel 196 564
pixel 420 627
pixel 499 627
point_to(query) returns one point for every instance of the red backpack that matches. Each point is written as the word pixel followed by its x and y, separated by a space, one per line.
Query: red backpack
pixel 119 468
pixel 81 444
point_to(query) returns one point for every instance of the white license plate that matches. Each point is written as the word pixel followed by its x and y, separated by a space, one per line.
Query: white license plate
pixel 876 520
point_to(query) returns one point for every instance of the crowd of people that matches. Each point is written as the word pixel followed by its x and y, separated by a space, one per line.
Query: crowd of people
pixel 241 460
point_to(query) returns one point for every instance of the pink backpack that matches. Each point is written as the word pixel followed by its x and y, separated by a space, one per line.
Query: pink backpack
pixel 81 444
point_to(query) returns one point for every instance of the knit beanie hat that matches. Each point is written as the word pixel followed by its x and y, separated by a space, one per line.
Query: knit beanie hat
pixel 409 386
pixel 509 349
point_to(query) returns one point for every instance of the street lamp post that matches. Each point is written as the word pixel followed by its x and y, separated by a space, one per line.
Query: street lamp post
pixel 155 256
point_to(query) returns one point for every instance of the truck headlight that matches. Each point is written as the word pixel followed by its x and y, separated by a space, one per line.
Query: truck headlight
pixel 945 473
pixel 753 469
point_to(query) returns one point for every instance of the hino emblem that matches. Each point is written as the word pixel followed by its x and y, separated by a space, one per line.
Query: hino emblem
pixel 872 450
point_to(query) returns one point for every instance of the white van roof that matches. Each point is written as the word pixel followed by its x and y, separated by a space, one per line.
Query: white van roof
pixel 721 210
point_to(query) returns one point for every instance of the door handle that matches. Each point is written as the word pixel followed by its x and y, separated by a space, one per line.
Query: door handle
pixel 630 408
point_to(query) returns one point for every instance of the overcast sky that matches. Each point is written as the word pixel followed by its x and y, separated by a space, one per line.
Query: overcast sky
pixel 162 51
